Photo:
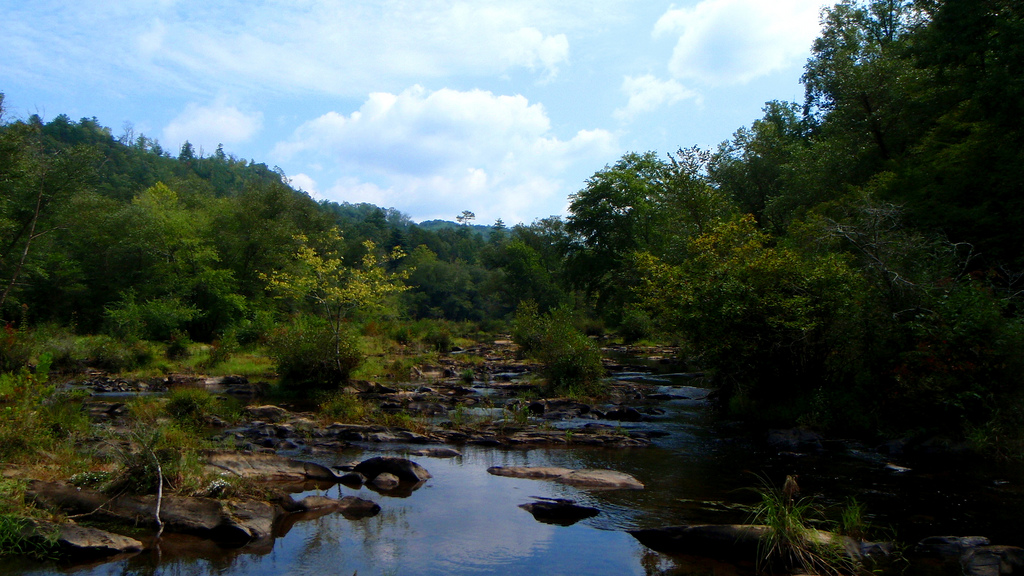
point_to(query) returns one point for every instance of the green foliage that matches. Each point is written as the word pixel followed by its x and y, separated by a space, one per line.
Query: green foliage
pixel 636 325
pixel 765 318
pixel 571 361
pixel 13 541
pixel 179 347
pixel 157 319
pixel 791 542
pixel 15 349
pixel 115 355
pixel 344 407
pixel 190 406
pixel 310 354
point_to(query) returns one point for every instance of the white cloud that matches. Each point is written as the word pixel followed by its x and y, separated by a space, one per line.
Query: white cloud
pixel 437 153
pixel 725 42
pixel 305 183
pixel 207 126
pixel 647 94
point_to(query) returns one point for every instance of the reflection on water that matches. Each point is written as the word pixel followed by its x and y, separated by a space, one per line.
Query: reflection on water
pixel 464 521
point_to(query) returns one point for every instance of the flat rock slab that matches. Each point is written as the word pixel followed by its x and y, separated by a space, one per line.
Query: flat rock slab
pixel 76 542
pixel 231 522
pixel 269 467
pixel 586 478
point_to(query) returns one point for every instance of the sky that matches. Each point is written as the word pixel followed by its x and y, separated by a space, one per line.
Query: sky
pixel 503 108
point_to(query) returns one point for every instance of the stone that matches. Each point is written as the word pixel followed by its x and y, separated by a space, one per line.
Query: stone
pixel 385 481
pixel 231 522
pixel 587 478
pixel 268 413
pixel 626 414
pixel 76 542
pixel 268 467
pixel 949 545
pixel 729 541
pixel 604 479
pixel 436 452
pixel 405 470
pixel 559 511
pixel 993 561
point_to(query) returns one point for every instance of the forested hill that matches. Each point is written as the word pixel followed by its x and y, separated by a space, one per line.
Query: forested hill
pixel 851 260
pixel 91 224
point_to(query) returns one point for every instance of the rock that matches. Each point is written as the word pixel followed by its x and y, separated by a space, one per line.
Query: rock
pixel 385 481
pixel 728 541
pixel 231 522
pixel 626 414
pixel 81 542
pixel 795 439
pixel 587 478
pixel 405 470
pixel 436 452
pixel 268 413
pixel 993 561
pixel 949 545
pixel 604 479
pixel 533 473
pixel 559 511
pixel 269 467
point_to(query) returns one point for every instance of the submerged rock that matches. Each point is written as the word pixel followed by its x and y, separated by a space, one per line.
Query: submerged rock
pixel 436 452
pixel 949 545
pixel 993 561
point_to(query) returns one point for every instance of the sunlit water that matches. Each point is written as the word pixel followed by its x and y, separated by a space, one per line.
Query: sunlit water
pixel 464 521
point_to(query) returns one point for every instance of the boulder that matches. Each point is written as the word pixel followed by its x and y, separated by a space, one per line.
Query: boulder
pixel 605 479
pixel 230 522
pixel 269 467
pixel 587 478
pixel 993 561
pixel 729 541
pixel 953 546
pixel 531 472
pixel 268 413
pixel 385 481
pixel 76 542
pixel 559 511
pixel 405 470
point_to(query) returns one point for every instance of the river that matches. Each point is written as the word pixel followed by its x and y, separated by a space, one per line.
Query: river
pixel 464 521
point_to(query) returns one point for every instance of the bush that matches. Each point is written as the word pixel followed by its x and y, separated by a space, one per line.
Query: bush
pixel 636 325
pixel 572 362
pixel 310 354
pixel 178 346
pixel 15 349
pixel 439 338
pixel 190 406
pixel 113 355
pixel 156 319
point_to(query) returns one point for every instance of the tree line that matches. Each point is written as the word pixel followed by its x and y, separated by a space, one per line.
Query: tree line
pixel 850 261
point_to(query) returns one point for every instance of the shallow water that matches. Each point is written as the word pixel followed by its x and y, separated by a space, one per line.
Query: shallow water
pixel 464 521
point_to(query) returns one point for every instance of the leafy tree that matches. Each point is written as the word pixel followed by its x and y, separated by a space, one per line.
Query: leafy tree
pixel 337 291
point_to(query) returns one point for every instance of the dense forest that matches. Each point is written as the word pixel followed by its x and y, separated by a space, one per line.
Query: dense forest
pixel 851 262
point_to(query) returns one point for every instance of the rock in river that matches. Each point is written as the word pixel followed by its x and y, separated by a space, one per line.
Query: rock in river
pixel 559 511
pixel 586 478
pixel 405 470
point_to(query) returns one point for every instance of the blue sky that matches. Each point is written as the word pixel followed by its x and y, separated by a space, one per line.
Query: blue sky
pixel 433 107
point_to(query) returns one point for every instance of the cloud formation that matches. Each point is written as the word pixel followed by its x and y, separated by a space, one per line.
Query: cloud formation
pixel 440 152
pixel 729 42
pixel 648 94
pixel 208 126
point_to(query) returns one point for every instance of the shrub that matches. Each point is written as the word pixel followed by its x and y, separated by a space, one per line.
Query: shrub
pixel 15 349
pixel 310 354
pixel 438 337
pixel 571 361
pixel 636 325
pixel 190 406
pixel 178 346
pixel 114 355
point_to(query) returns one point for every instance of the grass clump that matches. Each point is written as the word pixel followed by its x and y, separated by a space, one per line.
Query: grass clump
pixel 791 542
